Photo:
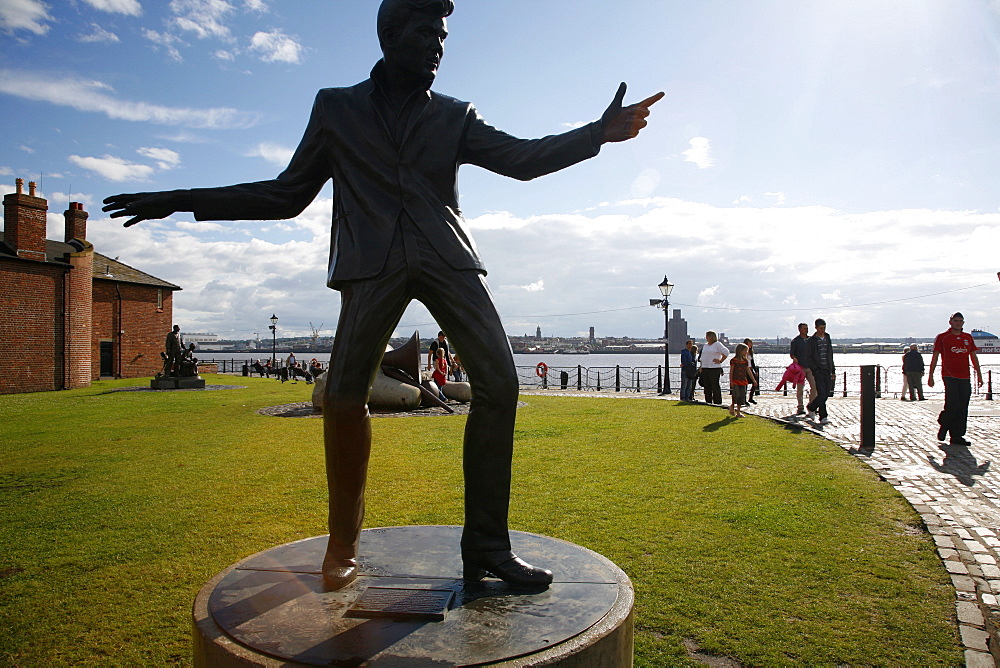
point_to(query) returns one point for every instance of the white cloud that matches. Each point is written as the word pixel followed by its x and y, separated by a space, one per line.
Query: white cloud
pixel 720 259
pixel 272 153
pixel 537 286
pixel 113 168
pixel 276 47
pixel 164 157
pixel 166 41
pixel 30 15
pixel 185 137
pixel 832 296
pixel 577 124
pixel 204 18
pixel 223 54
pixel 779 198
pixel 128 7
pixel 700 153
pixel 26 149
pixel 255 6
pixel 98 34
pixel 200 226
pixel 89 95
pixel 227 281
pixel 6 171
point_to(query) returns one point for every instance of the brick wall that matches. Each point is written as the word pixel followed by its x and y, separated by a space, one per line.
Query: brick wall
pixel 137 327
pixel 31 326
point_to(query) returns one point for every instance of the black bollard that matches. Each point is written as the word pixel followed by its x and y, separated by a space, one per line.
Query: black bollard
pixel 868 407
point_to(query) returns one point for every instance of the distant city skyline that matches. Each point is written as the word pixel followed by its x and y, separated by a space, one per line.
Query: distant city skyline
pixel 832 159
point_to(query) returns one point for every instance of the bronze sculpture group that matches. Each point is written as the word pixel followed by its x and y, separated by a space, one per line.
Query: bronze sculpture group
pixel 178 361
pixel 392 148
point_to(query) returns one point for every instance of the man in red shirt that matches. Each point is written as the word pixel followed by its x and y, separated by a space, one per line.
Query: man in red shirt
pixel 955 348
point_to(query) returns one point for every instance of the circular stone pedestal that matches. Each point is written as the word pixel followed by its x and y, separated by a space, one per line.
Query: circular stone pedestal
pixel 271 609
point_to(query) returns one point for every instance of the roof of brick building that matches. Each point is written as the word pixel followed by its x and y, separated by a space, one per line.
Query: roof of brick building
pixel 105 268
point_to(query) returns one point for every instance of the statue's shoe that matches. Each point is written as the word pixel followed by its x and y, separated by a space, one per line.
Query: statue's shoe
pixel 339 574
pixel 507 566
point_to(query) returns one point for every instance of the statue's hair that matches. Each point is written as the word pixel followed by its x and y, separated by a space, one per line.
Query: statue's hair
pixel 397 13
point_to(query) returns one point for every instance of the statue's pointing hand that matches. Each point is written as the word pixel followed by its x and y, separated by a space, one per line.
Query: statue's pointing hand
pixel 621 123
pixel 142 206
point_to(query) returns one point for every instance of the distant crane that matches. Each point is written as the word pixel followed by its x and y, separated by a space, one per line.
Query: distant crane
pixel 315 334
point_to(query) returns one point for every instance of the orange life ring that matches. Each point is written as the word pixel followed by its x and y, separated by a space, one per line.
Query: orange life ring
pixel 542 370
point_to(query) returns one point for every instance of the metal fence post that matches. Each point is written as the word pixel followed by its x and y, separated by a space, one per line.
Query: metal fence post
pixel 878 381
pixel 618 378
pixel 659 378
pixel 845 383
pixel 989 385
pixel 868 392
pixel 579 377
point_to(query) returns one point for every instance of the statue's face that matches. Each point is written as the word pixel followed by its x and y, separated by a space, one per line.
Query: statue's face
pixel 417 50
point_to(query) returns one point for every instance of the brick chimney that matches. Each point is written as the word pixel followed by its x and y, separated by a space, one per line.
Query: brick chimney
pixel 24 222
pixel 79 298
pixel 76 222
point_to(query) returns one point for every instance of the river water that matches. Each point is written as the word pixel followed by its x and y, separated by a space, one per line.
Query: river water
pixel 629 372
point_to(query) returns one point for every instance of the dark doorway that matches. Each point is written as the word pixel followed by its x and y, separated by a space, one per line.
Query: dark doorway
pixel 107 358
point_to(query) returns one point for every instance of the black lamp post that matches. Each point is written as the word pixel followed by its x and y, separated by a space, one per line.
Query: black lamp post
pixel 666 287
pixel 274 340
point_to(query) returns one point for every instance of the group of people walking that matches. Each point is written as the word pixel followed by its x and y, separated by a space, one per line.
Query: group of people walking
pixel 812 366
pixel 705 368
pixel 812 363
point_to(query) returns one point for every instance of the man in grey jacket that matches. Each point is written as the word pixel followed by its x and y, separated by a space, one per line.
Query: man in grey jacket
pixel 392 148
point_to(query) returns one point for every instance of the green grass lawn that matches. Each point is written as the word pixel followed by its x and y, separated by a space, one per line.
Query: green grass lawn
pixel 772 547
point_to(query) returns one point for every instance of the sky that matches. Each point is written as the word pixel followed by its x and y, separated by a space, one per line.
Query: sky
pixel 832 159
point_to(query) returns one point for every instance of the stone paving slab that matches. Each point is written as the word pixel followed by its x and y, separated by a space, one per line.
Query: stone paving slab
pixel 955 489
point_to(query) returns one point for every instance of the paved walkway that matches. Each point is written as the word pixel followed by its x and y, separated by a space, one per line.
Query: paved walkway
pixel 956 491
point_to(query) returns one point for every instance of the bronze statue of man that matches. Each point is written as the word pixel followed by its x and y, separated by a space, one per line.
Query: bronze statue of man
pixel 393 148
pixel 172 357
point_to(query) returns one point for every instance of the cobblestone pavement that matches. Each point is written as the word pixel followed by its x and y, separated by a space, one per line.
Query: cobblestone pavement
pixel 955 489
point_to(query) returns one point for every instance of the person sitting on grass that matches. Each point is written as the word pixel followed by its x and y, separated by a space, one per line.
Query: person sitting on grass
pixel 740 375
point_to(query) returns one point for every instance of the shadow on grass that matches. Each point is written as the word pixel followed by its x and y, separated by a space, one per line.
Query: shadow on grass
pixel 719 424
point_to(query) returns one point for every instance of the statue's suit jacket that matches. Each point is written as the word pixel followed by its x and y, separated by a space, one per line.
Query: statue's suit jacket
pixel 375 180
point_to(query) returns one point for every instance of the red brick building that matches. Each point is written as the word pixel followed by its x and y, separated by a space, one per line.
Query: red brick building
pixel 69 315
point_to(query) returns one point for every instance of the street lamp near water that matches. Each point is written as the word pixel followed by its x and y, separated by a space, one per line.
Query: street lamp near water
pixel 666 287
pixel 274 340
